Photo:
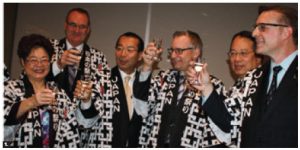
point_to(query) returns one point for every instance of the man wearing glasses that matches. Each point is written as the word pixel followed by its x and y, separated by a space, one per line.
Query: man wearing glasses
pixel 263 110
pixel 242 55
pixel 73 64
pixel 175 117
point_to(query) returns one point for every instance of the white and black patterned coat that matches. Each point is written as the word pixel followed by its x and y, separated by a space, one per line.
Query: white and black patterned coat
pixel 191 123
pixel 27 131
pixel 6 73
pixel 93 65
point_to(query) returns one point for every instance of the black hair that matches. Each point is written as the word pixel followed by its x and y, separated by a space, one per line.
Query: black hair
pixel 247 35
pixel 32 41
pixel 133 35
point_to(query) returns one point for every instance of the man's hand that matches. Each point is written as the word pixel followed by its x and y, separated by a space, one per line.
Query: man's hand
pixel 204 85
pixel 69 57
pixel 148 56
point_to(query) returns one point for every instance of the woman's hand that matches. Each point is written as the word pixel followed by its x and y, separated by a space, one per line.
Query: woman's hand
pixel 44 97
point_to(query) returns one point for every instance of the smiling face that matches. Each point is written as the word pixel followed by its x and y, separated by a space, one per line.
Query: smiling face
pixel 243 57
pixel 77 28
pixel 127 55
pixel 37 64
pixel 181 61
pixel 268 37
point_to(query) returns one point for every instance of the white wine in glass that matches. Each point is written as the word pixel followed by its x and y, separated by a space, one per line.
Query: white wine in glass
pixel 198 68
pixel 55 91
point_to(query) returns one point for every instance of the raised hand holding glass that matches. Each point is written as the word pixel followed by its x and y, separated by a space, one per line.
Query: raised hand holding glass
pixel 157 43
pixel 55 91
pixel 198 68
pixel 85 82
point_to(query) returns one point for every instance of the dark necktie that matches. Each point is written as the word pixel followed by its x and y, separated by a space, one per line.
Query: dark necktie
pixel 273 86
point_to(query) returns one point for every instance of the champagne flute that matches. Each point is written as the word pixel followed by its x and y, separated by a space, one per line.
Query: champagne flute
pixel 80 56
pixel 55 91
pixel 157 43
pixel 85 82
pixel 198 68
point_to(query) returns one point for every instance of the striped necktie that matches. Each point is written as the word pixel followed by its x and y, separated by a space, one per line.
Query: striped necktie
pixel 181 88
pixel 273 86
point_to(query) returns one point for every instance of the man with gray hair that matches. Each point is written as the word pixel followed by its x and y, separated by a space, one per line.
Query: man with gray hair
pixel 175 117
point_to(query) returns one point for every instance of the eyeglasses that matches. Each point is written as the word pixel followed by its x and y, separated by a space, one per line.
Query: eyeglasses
pixel 129 48
pixel 74 25
pixel 178 50
pixel 35 61
pixel 242 53
pixel 263 26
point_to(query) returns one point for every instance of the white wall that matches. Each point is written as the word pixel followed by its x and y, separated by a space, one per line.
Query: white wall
pixel 215 23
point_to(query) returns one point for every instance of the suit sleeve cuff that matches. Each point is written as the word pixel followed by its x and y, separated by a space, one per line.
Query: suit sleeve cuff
pixel 144 76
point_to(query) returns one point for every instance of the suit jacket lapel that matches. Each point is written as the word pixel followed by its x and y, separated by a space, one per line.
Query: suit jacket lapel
pixel 260 98
pixel 285 87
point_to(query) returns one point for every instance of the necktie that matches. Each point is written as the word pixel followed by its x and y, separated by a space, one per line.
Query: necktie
pixel 273 86
pixel 72 73
pixel 181 88
pixel 128 93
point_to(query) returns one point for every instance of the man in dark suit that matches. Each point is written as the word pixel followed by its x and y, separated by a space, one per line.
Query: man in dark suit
pixel 262 109
pixel 75 61
pixel 127 120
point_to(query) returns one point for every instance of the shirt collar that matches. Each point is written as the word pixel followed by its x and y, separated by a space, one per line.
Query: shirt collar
pixel 123 74
pixel 286 62
pixel 69 46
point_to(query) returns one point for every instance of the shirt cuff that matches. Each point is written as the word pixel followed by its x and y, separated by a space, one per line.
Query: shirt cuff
pixel 144 75
pixel 55 68
pixel 204 99
pixel 85 105
pixel 141 107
